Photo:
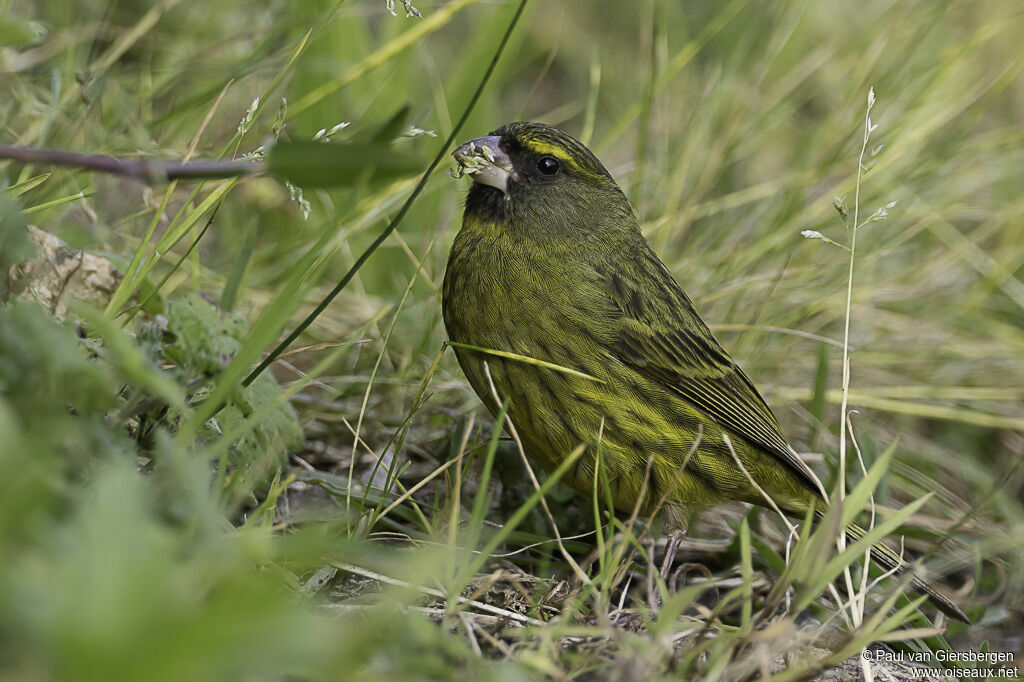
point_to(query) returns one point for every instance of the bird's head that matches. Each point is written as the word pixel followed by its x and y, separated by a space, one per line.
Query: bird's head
pixel 531 176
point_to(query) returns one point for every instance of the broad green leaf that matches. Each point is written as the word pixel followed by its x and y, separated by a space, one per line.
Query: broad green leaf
pixel 319 164
pixel 19 33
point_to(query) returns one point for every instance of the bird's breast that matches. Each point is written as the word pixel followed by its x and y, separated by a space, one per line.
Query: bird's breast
pixel 511 296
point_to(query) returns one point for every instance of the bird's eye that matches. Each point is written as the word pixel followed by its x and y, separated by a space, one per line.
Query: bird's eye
pixel 548 165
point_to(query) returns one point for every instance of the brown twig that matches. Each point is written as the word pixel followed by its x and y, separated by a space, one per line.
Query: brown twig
pixel 150 171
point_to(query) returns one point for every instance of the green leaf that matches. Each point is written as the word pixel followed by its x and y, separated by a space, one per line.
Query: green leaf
pixel 229 297
pixel 319 164
pixel 858 498
pixel 150 297
pixel 19 33
pixel 20 188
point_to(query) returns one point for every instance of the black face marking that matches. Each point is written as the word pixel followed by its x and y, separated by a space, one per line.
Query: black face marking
pixel 553 178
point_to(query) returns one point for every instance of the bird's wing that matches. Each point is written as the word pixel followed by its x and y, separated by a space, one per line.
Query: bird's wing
pixel 662 337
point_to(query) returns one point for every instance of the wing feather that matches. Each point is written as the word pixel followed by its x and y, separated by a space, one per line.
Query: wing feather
pixel 663 339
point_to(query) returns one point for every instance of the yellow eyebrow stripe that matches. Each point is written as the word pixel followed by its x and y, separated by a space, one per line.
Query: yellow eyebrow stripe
pixel 560 152
pixel 548 148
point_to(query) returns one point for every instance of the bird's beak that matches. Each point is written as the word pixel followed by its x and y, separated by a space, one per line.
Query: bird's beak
pixel 483 159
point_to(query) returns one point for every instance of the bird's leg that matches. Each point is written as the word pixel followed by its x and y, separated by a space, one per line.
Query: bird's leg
pixel 674 538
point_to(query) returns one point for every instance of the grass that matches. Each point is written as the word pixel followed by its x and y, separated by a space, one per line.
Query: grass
pixel 360 516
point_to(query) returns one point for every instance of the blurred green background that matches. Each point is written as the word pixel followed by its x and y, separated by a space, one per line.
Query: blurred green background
pixel 732 126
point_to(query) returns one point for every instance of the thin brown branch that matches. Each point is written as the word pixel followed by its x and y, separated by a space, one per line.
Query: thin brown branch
pixel 150 171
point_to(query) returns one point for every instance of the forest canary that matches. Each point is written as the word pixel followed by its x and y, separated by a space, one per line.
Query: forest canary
pixel 551 265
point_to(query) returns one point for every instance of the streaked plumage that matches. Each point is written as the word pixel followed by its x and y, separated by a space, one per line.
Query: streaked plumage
pixel 553 266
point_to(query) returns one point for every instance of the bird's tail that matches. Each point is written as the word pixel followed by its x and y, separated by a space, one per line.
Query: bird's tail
pixel 891 561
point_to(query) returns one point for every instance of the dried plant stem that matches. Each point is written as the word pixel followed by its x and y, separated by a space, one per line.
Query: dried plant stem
pixel 858 611
pixel 150 171
pixel 440 594
pixel 849 297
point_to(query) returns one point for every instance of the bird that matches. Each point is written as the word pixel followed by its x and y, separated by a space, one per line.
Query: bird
pixel 555 303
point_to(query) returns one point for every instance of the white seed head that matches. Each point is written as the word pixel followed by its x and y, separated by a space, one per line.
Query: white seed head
pixel 250 116
pixel 279 120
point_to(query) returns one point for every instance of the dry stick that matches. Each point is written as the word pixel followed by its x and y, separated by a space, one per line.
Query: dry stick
pixel 468 625
pixel 149 171
pixel 366 573
pixel 408 493
pixel 437 613
pixel 505 650
pixel 206 120
pixel 530 546
pixel 533 479
pixel 486 585
pixel 267 361
pixel 427 543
